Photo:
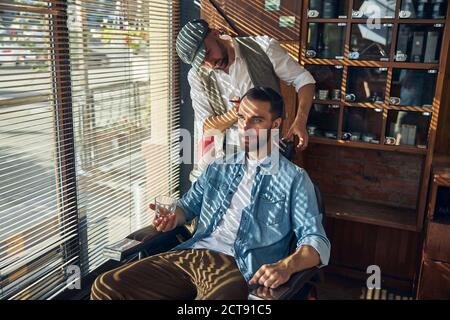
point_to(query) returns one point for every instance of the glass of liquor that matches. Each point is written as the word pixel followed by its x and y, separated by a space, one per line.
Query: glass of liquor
pixel 165 205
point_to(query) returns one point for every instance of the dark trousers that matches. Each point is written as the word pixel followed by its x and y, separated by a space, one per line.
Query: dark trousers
pixel 187 274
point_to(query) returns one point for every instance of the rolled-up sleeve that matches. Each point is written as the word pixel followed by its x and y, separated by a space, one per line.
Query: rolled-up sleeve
pixel 286 68
pixel 200 103
pixel 306 218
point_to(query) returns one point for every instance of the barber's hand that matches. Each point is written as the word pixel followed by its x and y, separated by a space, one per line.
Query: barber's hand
pixel 272 275
pixel 235 101
pixel 164 222
pixel 298 130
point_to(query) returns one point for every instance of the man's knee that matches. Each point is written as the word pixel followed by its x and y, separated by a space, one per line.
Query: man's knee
pixel 235 288
pixel 105 287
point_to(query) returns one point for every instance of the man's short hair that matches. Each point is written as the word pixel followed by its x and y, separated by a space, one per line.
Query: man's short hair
pixel 269 95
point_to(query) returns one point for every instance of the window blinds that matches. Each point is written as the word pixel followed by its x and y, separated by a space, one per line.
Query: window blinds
pixel 88 132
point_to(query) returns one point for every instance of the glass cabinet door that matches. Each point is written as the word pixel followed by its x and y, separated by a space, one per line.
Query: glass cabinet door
pixel 328 81
pixel 362 124
pixel 323 120
pixel 413 87
pixel 326 40
pixel 370 44
pixel 419 43
pixel 327 9
pixel 423 9
pixel 407 128
pixel 373 8
pixel 366 84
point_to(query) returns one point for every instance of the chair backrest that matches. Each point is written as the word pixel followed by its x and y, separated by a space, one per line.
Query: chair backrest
pixel 320 203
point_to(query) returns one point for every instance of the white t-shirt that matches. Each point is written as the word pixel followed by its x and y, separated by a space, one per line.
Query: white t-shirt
pixel 223 237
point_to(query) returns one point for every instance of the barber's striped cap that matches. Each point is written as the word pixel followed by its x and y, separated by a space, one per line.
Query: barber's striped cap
pixel 189 45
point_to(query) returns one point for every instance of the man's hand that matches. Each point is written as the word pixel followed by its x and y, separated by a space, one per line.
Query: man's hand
pixel 164 222
pixel 299 130
pixel 264 292
pixel 235 102
pixel 272 275
pixel 305 97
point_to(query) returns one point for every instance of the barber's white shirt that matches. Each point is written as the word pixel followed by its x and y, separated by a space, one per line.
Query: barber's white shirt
pixel 238 81
pixel 223 237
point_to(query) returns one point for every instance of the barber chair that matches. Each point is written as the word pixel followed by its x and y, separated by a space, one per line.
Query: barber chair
pixel 302 285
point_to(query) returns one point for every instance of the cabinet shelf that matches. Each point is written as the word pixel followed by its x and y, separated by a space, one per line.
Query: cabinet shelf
pixel 327 101
pixel 369 105
pixel 382 20
pixel 375 105
pixel 365 145
pixel 370 63
pixel 327 20
pixel 384 106
pixel 420 21
pixel 370 213
pixel 409 108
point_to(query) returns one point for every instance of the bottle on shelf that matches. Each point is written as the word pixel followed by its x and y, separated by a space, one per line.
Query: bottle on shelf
pixel 330 8
pixel 438 11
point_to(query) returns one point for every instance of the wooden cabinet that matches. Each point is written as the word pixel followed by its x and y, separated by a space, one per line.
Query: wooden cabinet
pixel 434 281
pixel 437 243
pixel 373 133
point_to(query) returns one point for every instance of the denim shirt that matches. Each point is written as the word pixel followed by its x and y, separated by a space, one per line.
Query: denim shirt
pixel 283 206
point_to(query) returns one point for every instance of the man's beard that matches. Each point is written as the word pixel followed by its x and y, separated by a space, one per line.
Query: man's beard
pixel 256 143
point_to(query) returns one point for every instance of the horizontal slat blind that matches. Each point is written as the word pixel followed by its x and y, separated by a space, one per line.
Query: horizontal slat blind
pixel 89 80
pixel 34 231
pixel 125 112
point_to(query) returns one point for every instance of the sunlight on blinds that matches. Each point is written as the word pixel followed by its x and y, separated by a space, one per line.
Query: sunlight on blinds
pixel 124 100
pixel 88 132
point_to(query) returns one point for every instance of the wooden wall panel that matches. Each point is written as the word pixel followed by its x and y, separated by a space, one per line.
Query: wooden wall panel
pixel 252 19
pixel 215 20
pixel 356 246
pixel 370 175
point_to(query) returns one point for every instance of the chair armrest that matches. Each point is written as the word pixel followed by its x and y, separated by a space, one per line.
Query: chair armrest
pixel 154 241
pixel 288 290
pixel 145 242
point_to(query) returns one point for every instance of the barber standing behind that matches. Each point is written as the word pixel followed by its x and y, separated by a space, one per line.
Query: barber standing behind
pixel 224 68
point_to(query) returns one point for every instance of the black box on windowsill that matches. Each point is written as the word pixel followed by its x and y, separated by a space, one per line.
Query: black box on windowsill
pixel 121 249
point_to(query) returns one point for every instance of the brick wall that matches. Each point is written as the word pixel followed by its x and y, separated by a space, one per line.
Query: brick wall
pixel 369 175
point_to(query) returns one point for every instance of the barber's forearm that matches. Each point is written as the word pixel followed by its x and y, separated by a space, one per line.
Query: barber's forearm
pixel 304 258
pixel 221 122
pixel 305 99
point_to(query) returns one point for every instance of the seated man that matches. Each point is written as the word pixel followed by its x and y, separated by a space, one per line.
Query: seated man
pixel 249 207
